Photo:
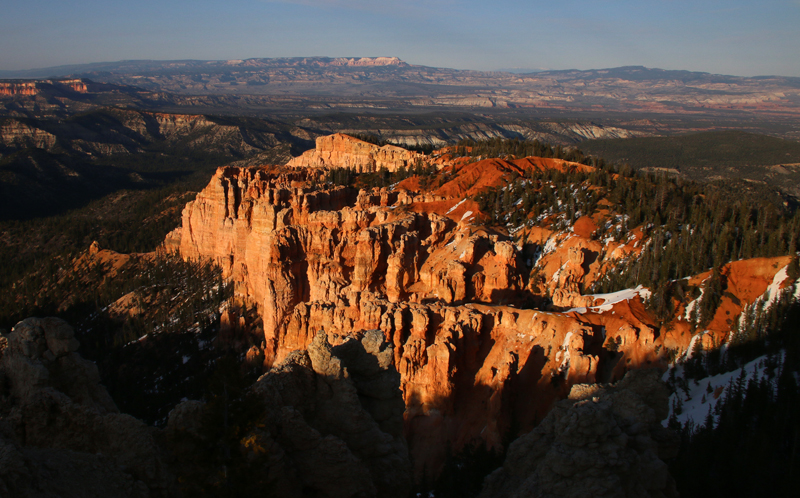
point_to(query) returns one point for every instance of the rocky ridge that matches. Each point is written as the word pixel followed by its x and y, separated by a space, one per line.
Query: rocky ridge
pixel 630 89
pixel 29 88
pixel 331 426
pixel 60 431
pixel 118 131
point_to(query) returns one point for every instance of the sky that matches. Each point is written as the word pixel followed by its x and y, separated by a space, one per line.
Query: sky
pixel 737 37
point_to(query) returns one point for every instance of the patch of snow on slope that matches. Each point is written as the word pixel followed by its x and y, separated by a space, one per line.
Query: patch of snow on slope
pixel 612 298
pixel 550 246
pixel 454 207
pixel 696 403
pixel 691 306
pixel 771 294
pixel 564 349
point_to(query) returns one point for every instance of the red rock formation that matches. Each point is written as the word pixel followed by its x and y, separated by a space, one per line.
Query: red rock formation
pixel 444 293
pixel 22 88
pixel 33 87
pixel 341 261
pixel 75 85
pixel 343 151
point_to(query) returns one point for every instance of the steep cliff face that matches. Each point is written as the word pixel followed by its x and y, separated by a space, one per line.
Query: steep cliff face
pixel 455 300
pixel 439 290
pixel 19 134
pixel 120 131
pixel 325 422
pixel 331 426
pixel 31 88
pixel 21 88
pixel 343 151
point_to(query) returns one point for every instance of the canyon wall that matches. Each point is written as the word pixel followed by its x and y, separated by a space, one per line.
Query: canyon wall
pixel 479 357
pixel 30 88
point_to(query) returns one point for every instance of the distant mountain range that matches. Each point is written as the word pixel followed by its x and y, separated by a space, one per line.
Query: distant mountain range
pixel 389 83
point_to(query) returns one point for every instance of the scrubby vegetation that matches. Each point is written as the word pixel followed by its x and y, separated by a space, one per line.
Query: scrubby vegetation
pixel 35 252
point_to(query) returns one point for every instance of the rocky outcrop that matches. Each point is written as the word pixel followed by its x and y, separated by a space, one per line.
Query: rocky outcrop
pixel 343 151
pixel 349 262
pixel 60 432
pixel 602 441
pixel 366 61
pixel 333 422
pixel 329 424
pixel 19 134
pixel 31 88
pixel 18 88
pixel 464 307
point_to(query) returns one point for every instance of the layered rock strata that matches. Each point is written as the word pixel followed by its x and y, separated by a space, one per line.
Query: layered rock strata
pixel 342 151
pixel 349 262
pixel 449 297
pixel 30 88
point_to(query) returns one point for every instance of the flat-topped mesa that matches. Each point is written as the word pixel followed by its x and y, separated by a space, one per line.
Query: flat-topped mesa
pixel 29 88
pixel 343 151
pixel 367 61
pixel 8 89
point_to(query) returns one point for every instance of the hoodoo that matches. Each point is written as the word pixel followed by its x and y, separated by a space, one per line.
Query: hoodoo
pixel 448 295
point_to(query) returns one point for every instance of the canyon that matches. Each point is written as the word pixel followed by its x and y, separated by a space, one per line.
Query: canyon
pixel 488 328
pixel 363 320
pixel 358 277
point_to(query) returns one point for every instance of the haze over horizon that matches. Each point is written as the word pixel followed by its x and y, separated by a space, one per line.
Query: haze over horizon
pixel 737 37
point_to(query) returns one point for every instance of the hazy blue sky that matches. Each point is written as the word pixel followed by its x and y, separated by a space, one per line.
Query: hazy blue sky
pixel 742 37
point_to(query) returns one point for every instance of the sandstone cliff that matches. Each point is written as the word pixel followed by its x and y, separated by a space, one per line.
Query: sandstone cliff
pixel 343 151
pixel 478 348
pixel 30 88
pixel 349 262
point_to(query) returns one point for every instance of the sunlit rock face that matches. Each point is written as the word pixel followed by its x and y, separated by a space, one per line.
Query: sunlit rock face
pixel 342 151
pixel 457 301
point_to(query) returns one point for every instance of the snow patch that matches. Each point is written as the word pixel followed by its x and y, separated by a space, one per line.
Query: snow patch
pixel 550 246
pixel 774 289
pixel 696 403
pixel 612 298
pixel 454 207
